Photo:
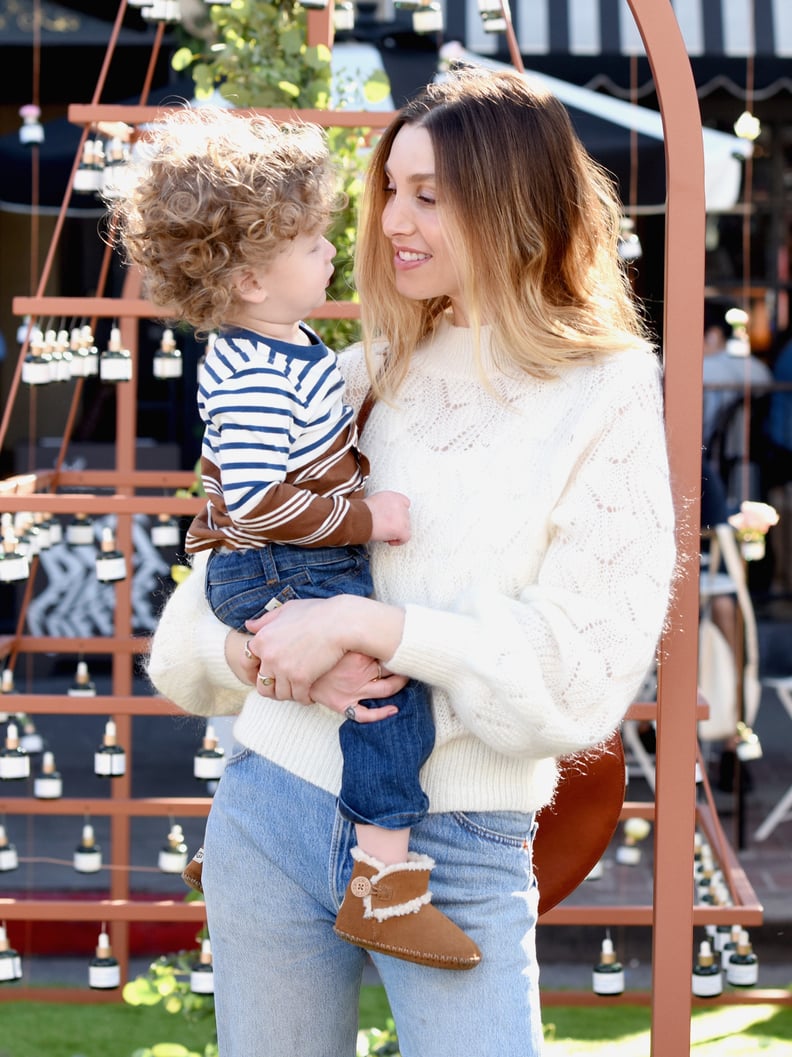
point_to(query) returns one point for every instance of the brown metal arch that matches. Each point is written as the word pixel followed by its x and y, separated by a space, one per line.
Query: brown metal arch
pixel 682 351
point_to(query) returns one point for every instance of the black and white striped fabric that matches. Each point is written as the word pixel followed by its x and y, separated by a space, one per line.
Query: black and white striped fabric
pixel 727 28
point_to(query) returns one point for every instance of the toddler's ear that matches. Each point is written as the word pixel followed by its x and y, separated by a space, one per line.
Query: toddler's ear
pixel 249 287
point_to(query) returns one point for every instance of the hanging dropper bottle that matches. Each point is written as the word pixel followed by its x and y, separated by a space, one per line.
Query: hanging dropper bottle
pixel 30 739
pixel 707 974
pixel 115 363
pixel 104 972
pixel 10 962
pixel 110 563
pixel 165 531
pixel 9 860
pixel 743 967
pixel 608 974
pixel 87 854
pixel 168 357
pixel 209 761
pixel 202 971
pixel 14 761
pixel 14 562
pixel 48 785
pixel 82 685
pixel 109 758
pixel 80 531
pixel 729 946
pixel 173 856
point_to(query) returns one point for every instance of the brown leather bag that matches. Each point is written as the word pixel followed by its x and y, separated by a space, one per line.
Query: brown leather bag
pixel 576 828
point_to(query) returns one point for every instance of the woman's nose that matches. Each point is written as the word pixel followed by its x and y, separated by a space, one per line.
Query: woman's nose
pixel 395 219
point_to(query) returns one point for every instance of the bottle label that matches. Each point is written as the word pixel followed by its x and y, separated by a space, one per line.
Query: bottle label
pixel 14 767
pixel 87 861
pixel 607 983
pixel 79 535
pixel 165 535
pixel 48 788
pixel 742 975
pixel 35 372
pixel 202 983
pixel 172 861
pixel 115 368
pixel 10 966
pixel 627 855
pixel 109 764
pixel 14 568
pixel 707 985
pixel 9 860
pixel 104 976
pixel 167 367
pixel 209 767
pixel 108 569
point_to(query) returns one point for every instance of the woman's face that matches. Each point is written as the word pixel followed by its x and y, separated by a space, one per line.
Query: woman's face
pixel 423 264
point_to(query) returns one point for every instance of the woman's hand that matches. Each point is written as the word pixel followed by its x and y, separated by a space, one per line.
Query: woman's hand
pixel 301 641
pixel 240 658
pixel 356 678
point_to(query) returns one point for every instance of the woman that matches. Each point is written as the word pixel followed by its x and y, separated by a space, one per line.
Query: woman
pixel 520 410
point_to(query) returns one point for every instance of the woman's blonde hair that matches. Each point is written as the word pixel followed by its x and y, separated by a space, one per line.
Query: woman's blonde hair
pixel 532 220
pixel 214 193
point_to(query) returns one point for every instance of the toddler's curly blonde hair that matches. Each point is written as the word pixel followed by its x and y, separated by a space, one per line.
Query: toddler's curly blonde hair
pixel 215 192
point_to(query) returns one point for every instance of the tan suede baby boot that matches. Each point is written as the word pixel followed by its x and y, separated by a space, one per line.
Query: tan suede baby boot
pixel 388 909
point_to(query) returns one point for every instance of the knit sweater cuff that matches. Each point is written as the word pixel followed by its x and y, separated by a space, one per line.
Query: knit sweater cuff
pixel 430 650
pixel 210 638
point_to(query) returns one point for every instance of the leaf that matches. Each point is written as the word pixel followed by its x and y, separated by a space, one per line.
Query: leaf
pixel 289 89
pixel 173 1004
pixel 182 58
pixel 140 992
pixel 377 87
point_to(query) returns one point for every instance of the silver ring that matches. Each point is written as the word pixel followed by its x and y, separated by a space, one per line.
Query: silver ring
pixel 265 680
pixel 248 654
pixel 350 713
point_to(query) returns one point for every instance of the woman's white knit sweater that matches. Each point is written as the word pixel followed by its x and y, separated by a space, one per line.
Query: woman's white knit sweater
pixel 535 583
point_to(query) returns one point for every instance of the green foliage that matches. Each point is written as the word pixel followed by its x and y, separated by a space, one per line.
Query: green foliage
pixel 260 59
pixel 167 982
pixel 378 1042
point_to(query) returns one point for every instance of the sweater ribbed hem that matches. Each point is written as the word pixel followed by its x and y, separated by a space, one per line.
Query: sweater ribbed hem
pixel 462 775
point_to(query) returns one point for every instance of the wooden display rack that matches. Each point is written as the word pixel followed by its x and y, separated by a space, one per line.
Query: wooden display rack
pixel 675 811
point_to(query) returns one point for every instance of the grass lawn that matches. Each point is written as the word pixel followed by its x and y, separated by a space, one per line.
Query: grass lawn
pixel 33 1029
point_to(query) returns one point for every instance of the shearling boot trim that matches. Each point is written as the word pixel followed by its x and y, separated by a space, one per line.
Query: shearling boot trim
pixel 414 863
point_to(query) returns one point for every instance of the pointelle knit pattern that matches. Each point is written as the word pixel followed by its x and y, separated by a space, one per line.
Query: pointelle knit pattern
pixel 535 584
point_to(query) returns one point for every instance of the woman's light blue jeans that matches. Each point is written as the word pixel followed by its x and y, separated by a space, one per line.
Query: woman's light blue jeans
pixel 276 868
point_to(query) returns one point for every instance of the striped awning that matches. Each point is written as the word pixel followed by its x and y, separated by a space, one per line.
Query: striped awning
pixel 711 28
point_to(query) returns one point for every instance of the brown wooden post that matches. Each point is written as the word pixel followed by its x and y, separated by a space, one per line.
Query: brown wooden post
pixel 319 29
pixel 682 349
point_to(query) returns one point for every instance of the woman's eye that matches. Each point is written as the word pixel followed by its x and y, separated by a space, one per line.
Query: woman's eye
pixel 427 199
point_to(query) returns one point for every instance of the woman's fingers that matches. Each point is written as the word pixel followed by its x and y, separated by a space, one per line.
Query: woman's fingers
pixel 361 714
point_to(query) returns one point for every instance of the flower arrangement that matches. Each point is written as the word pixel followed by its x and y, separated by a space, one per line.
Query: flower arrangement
pixel 751 525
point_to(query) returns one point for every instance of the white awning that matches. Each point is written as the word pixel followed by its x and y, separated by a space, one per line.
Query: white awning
pixel 728 28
